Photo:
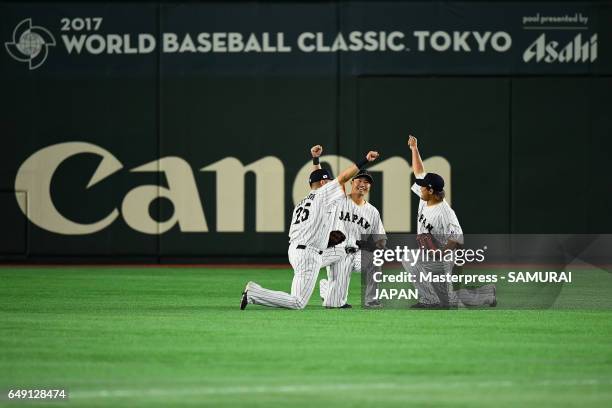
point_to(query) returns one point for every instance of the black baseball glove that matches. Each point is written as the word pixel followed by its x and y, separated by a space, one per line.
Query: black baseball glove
pixel 335 238
pixel 366 245
pixel 427 241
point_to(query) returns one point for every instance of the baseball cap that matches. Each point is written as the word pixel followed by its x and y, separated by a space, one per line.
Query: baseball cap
pixel 364 174
pixel 433 181
pixel 318 175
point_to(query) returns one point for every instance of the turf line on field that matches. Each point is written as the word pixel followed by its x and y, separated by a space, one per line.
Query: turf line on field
pixel 145 266
pixel 512 266
pixel 297 389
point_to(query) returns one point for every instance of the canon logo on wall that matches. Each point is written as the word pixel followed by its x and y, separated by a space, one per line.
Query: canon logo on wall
pixel 35 174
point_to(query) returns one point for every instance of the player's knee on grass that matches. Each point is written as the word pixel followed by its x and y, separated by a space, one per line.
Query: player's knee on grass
pixel 300 304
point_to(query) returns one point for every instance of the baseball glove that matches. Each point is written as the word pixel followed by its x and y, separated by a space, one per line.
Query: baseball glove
pixel 426 241
pixel 366 245
pixel 335 238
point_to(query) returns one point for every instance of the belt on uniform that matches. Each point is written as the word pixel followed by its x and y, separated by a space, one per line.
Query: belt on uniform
pixel 351 250
pixel 304 247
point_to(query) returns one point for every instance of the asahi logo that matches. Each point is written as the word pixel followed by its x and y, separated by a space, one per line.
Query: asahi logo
pixel 579 49
pixel 35 175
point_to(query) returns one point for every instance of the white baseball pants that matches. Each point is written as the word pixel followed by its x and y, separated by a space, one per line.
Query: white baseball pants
pixel 306 264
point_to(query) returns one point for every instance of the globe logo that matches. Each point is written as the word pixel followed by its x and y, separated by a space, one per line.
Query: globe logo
pixel 30 43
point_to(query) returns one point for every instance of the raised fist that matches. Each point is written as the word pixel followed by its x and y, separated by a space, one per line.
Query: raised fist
pixel 316 151
pixel 412 141
pixel 372 155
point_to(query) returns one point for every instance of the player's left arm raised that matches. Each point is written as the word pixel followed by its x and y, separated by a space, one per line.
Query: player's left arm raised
pixel 350 171
pixel 316 152
pixel 417 162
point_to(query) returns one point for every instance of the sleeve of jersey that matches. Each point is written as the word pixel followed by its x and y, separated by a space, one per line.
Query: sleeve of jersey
pixel 416 189
pixel 379 229
pixel 455 233
pixel 332 192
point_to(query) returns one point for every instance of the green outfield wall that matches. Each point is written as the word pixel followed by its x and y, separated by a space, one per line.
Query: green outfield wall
pixel 163 132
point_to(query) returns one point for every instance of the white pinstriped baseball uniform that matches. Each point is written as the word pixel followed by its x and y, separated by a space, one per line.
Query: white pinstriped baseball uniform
pixel 311 224
pixel 353 220
pixel 441 221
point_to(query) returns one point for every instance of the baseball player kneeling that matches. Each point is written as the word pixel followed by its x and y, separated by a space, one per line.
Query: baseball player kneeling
pixel 438 228
pixel 309 236
pixel 355 217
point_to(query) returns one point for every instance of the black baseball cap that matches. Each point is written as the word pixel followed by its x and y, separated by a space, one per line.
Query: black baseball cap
pixel 318 175
pixel 365 175
pixel 433 181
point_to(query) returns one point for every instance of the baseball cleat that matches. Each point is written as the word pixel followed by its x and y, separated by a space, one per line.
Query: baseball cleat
pixel 344 306
pixel 375 304
pixel 244 301
pixel 494 302
pixel 425 306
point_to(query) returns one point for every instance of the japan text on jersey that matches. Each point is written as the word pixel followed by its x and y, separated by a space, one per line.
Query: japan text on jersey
pixel 357 220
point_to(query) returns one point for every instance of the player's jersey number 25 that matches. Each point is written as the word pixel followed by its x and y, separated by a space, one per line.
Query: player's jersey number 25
pixel 302 212
pixel 313 216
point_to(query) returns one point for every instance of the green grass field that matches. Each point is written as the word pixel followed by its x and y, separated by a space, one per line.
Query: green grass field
pixel 142 337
